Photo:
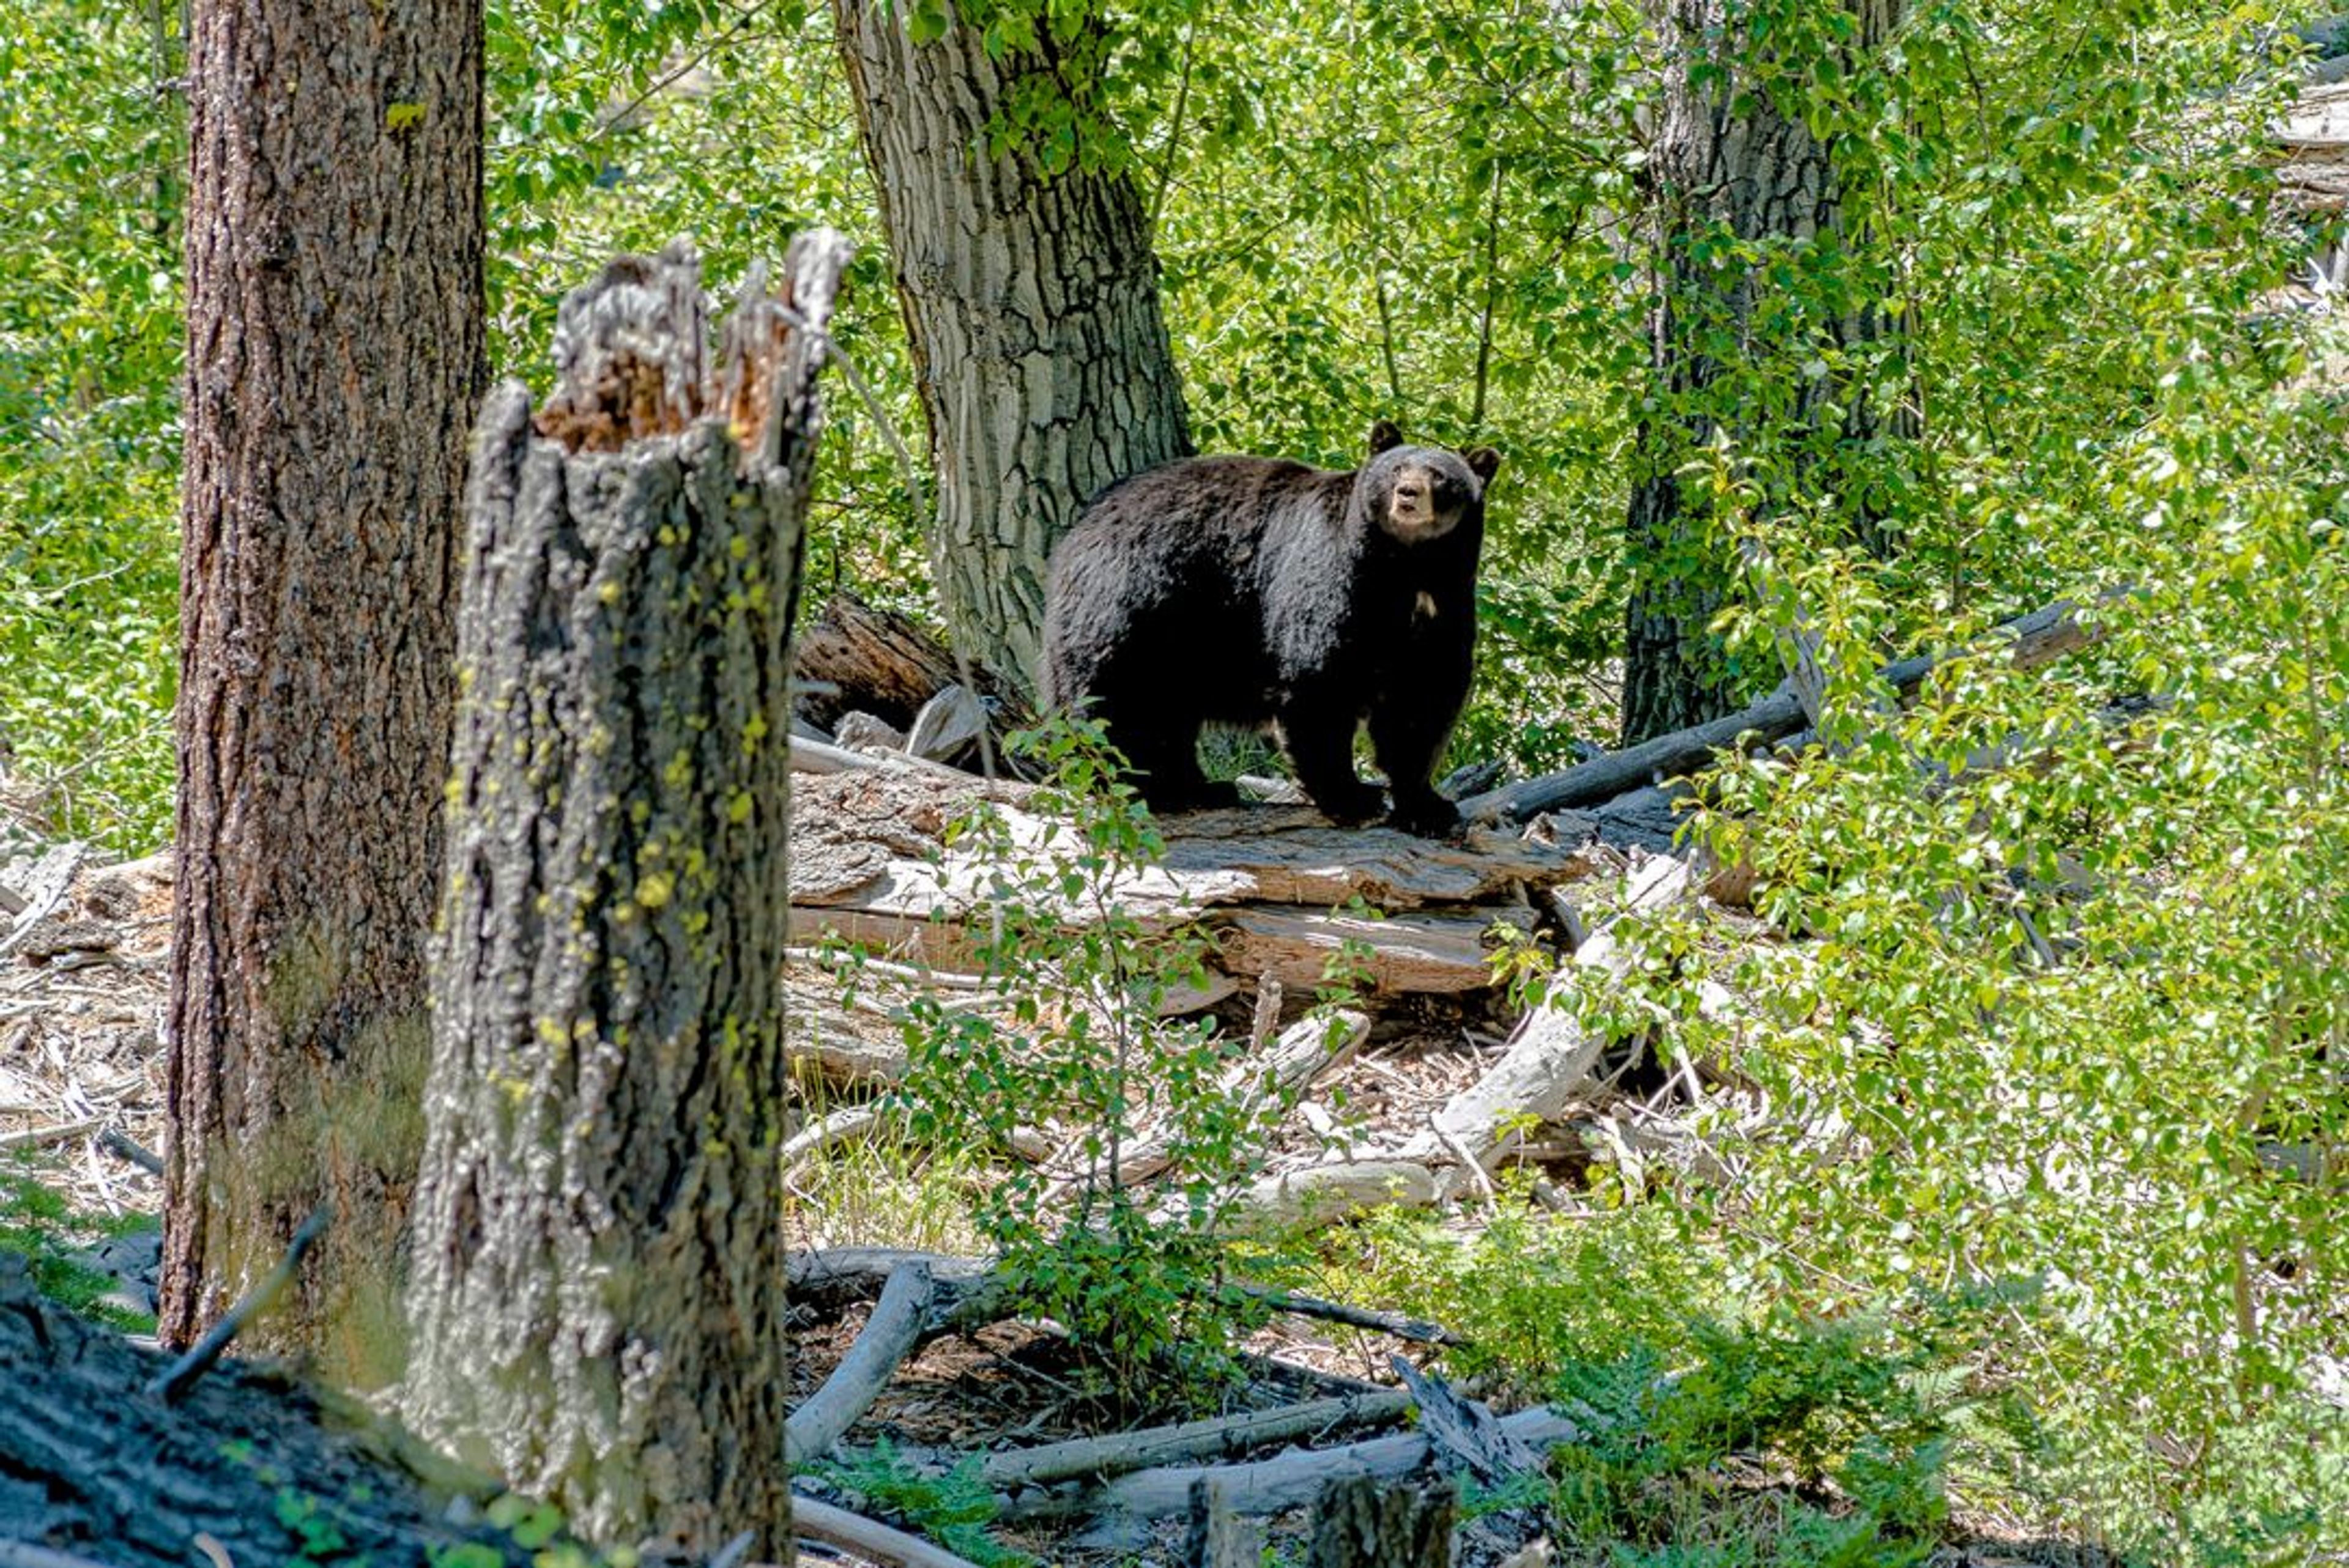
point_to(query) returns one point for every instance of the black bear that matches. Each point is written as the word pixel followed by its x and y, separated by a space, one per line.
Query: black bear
pixel 1247 591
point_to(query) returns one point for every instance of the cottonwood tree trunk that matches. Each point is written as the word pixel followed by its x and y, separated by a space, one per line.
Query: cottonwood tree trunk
pixel 1031 302
pixel 335 355
pixel 597 1294
pixel 1724 178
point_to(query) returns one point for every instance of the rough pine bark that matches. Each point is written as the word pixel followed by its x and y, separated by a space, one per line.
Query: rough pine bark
pixel 597 1296
pixel 1032 303
pixel 335 356
pixel 1760 176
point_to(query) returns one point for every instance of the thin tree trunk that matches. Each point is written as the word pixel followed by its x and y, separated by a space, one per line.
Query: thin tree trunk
pixel 599 1270
pixel 1757 177
pixel 335 353
pixel 1031 302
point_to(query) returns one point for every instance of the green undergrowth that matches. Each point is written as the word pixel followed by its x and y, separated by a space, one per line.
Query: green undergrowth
pixel 954 1508
pixel 37 1225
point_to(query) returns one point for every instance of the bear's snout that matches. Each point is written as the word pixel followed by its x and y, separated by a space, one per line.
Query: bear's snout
pixel 1412 513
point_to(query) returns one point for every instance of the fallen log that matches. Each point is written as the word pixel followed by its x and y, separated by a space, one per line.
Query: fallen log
pixel 901 1320
pixel 1325 1194
pixel 1121 1453
pixel 886 663
pixel 822 1521
pixel 1551 1053
pixel 2030 641
pixel 1421 953
pixel 1287 1481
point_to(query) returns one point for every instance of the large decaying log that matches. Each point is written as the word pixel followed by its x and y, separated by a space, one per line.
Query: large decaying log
pixel 870 863
pixel 598 1306
pixel 853 657
pixel 93 1468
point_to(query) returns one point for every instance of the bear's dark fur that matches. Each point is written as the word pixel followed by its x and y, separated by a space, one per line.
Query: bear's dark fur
pixel 1248 591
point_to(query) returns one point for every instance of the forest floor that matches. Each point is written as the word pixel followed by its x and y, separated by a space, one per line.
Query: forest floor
pixel 82 1098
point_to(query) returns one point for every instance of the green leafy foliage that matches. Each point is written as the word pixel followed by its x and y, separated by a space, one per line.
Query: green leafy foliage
pixel 952 1507
pixel 89 375
pixel 1842 1400
pixel 37 1225
pixel 1128 1259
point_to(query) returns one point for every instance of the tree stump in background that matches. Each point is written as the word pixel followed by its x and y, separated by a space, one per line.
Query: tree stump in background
pixel 597 1298
pixel 1361 1523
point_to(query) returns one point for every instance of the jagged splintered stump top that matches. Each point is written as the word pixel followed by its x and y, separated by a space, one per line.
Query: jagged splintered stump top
pixel 597 1294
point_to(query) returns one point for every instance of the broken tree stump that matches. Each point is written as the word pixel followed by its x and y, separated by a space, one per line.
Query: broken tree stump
pixel 597 1299
pixel 1358 1524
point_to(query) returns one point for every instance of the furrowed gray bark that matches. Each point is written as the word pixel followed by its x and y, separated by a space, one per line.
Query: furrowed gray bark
pixel 1031 302
pixel 1733 154
pixel 598 1274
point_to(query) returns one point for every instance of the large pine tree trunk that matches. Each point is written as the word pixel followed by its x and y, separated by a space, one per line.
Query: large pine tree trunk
pixel 598 1283
pixel 1031 302
pixel 335 355
pixel 1756 177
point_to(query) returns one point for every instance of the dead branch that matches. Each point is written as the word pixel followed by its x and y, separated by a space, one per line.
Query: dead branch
pixel 123 1147
pixel 839 1127
pixel 895 1331
pixel 813 1521
pixel 1122 1453
pixel 177 1379
pixel 41 1137
pixel 827 1282
pixel 1287 1481
pixel 1466 1429
pixel 2038 638
pixel 1418 1330
pixel 1551 1053
pixel 1325 1194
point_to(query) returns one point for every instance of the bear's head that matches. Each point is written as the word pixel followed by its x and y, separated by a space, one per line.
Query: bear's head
pixel 1421 493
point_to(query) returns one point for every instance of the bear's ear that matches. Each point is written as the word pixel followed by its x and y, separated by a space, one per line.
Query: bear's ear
pixel 1384 437
pixel 1483 462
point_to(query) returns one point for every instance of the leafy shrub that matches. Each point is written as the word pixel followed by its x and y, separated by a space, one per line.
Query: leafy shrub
pixel 37 1225
pixel 953 1507
pixel 1133 1268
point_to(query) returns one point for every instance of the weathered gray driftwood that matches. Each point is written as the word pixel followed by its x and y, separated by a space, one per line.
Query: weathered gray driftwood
pixel 1551 1055
pixel 597 1298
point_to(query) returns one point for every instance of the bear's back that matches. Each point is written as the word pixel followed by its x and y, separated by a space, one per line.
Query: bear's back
pixel 1163 577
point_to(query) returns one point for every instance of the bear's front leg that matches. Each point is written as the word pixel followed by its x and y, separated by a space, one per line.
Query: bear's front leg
pixel 1407 737
pixel 1319 740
